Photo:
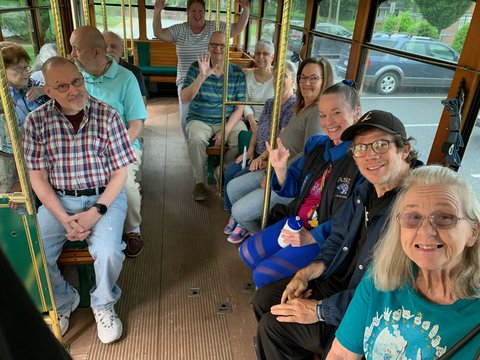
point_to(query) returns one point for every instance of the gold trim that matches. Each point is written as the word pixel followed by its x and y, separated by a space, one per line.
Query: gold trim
pixel 57 23
pixel 104 15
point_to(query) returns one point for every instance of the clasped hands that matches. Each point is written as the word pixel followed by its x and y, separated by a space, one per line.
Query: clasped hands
pixel 79 226
pixel 296 305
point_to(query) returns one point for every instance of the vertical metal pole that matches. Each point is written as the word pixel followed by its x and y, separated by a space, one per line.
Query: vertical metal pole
pixel 104 15
pixel 226 58
pixel 282 52
pixel 217 15
pixel 57 23
pixel 124 26
pixel 86 14
pixel 210 10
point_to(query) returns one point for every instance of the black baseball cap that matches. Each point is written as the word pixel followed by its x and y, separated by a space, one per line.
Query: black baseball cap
pixel 379 119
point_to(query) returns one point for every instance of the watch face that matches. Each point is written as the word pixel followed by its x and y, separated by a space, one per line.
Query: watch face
pixel 102 209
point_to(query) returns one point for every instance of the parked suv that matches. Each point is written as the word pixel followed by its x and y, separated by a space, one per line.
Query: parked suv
pixel 327 47
pixel 386 73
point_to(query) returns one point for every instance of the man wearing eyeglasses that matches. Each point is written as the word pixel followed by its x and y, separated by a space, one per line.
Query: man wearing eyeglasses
pixel 203 89
pixel 111 83
pixel 298 316
pixel 77 152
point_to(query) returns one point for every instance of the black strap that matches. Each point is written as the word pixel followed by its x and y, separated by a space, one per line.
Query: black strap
pixel 470 335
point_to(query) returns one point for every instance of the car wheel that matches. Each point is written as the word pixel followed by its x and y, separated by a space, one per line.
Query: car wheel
pixel 388 83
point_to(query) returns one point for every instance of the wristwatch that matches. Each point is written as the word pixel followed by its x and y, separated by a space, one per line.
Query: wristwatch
pixel 319 311
pixel 101 208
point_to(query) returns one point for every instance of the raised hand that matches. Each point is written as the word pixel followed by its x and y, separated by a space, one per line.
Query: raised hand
pixel 204 64
pixel 278 156
pixel 159 4
pixel 34 93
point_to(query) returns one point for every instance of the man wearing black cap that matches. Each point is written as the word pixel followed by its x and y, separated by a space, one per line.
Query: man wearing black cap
pixel 298 316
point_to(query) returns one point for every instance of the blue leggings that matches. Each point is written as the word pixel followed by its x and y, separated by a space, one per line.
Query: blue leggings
pixel 269 261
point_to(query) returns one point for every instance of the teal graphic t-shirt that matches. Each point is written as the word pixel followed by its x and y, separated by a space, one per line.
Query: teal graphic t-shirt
pixel 403 325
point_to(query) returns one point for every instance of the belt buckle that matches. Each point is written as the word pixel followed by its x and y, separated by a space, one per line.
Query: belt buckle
pixel 76 193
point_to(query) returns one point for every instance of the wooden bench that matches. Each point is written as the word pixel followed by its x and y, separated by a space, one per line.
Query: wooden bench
pixel 158 60
pixel 76 253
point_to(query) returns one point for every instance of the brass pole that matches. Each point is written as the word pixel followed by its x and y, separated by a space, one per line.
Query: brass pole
pixel 57 23
pixel 86 14
pixel 131 30
pixel 124 24
pixel 226 55
pixel 104 15
pixel 210 10
pixel 282 52
pixel 217 15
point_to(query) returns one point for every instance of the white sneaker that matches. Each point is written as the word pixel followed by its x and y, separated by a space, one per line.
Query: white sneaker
pixel 109 326
pixel 64 317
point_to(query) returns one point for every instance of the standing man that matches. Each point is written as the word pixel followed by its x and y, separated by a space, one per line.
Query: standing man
pixel 77 152
pixel 298 316
pixel 191 38
pixel 115 50
pixel 116 86
pixel 203 89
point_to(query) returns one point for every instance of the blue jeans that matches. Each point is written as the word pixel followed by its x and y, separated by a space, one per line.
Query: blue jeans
pixel 233 171
pixel 104 244
pixel 246 194
pixel 183 109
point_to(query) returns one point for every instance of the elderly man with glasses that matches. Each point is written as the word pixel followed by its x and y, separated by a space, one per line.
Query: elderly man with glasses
pixel 203 89
pixel 298 316
pixel 77 152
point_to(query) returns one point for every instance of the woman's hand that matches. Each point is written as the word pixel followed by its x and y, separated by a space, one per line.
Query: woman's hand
pixel 278 156
pixel 34 93
pixel 257 164
pixel 297 239
pixel 159 5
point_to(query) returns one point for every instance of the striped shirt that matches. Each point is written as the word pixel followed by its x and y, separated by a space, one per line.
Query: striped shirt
pixel 257 91
pixel 207 104
pixel 76 161
pixel 190 45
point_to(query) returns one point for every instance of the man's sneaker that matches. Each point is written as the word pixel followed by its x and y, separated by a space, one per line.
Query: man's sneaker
pixel 134 243
pixel 238 235
pixel 199 192
pixel 64 317
pixel 109 326
pixel 232 224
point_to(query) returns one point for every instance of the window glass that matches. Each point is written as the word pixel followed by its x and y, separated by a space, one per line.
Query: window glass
pixel 469 167
pixel 119 2
pixel 47 25
pixel 270 9
pixel 115 23
pixel 7 4
pixel 268 30
pixel 294 42
pixel 252 36
pixel 327 48
pixel 17 27
pixel 297 16
pixel 446 24
pixel 169 18
pixel 336 17
pixel 176 3
pixel 43 2
pixel 254 7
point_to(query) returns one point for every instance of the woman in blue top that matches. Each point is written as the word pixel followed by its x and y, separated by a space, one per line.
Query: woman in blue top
pixel 422 294
pixel 263 129
pixel 320 181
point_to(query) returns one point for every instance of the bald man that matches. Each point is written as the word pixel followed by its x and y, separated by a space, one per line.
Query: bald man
pixel 116 86
pixel 77 152
pixel 115 50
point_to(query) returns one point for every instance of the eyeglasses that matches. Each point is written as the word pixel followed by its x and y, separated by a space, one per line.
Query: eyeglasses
pixel 221 46
pixel 379 146
pixel 313 79
pixel 63 88
pixel 438 221
pixel 262 53
pixel 21 69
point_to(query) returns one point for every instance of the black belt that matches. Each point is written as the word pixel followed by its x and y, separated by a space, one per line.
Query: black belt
pixel 83 192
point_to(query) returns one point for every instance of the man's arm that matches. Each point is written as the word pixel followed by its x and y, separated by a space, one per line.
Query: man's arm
pixel 87 219
pixel 159 32
pixel 188 94
pixel 134 129
pixel 238 27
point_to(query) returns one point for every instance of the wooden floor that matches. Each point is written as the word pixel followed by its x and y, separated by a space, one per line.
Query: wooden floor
pixel 173 291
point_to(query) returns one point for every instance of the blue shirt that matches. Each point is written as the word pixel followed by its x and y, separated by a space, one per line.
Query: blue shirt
pixel 118 88
pixel 207 104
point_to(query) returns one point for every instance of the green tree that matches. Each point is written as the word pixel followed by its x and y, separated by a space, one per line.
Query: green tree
pixel 405 23
pixel 443 13
pixel 459 38
pixel 390 25
pixel 424 28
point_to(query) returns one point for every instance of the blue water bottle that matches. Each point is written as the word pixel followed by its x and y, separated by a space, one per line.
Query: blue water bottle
pixel 294 224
